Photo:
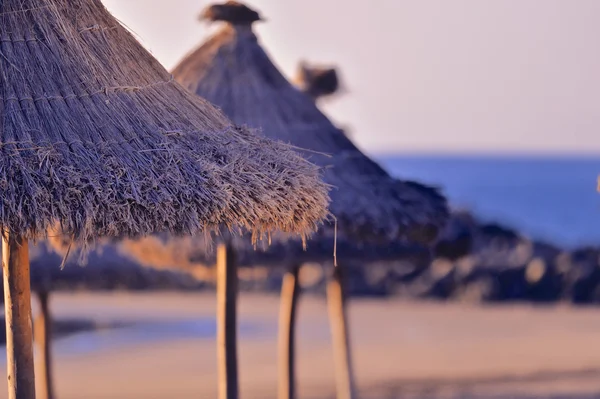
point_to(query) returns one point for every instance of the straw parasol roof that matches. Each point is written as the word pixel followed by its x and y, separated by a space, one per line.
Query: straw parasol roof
pixel 233 71
pixel 98 139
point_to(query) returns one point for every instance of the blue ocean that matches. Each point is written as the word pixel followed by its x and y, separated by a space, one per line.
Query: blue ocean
pixel 550 198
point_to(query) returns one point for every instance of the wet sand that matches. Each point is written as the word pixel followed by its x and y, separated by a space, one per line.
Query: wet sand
pixel 401 349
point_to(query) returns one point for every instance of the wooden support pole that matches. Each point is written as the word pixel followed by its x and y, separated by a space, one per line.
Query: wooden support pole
pixel 227 286
pixel 290 290
pixel 17 303
pixel 43 340
pixel 336 298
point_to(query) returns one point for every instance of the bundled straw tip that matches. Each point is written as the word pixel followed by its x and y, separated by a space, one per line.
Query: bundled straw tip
pixel 233 12
pixel 317 81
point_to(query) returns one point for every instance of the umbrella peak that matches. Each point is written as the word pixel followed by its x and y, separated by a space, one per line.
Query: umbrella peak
pixel 232 12
pixel 317 81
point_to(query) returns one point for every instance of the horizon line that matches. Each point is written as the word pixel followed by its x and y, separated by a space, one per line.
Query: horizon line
pixel 484 153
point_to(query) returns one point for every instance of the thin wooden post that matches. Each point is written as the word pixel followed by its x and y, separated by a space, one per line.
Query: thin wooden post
pixel 43 339
pixel 17 304
pixel 290 290
pixel 336 298
pixel 227 286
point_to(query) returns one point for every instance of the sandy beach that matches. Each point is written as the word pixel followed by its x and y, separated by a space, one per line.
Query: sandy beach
pixel 401 349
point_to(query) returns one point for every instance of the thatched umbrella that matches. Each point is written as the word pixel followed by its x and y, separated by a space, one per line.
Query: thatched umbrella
pixel 98 140
pixel 105 270
pixel 233 71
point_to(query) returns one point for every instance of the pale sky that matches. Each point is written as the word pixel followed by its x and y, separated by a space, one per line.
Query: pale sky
pixel 426 75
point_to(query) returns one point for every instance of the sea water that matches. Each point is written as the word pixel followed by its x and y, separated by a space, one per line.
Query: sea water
pixel 552 198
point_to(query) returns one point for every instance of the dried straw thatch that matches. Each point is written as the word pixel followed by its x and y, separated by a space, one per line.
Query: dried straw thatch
pixel 98 139
pixel 233 71
pixel 197 255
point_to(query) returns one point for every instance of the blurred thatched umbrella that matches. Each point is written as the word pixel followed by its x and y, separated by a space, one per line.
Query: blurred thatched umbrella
pixel 105 269
pixel 233 71
pixel 98 140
